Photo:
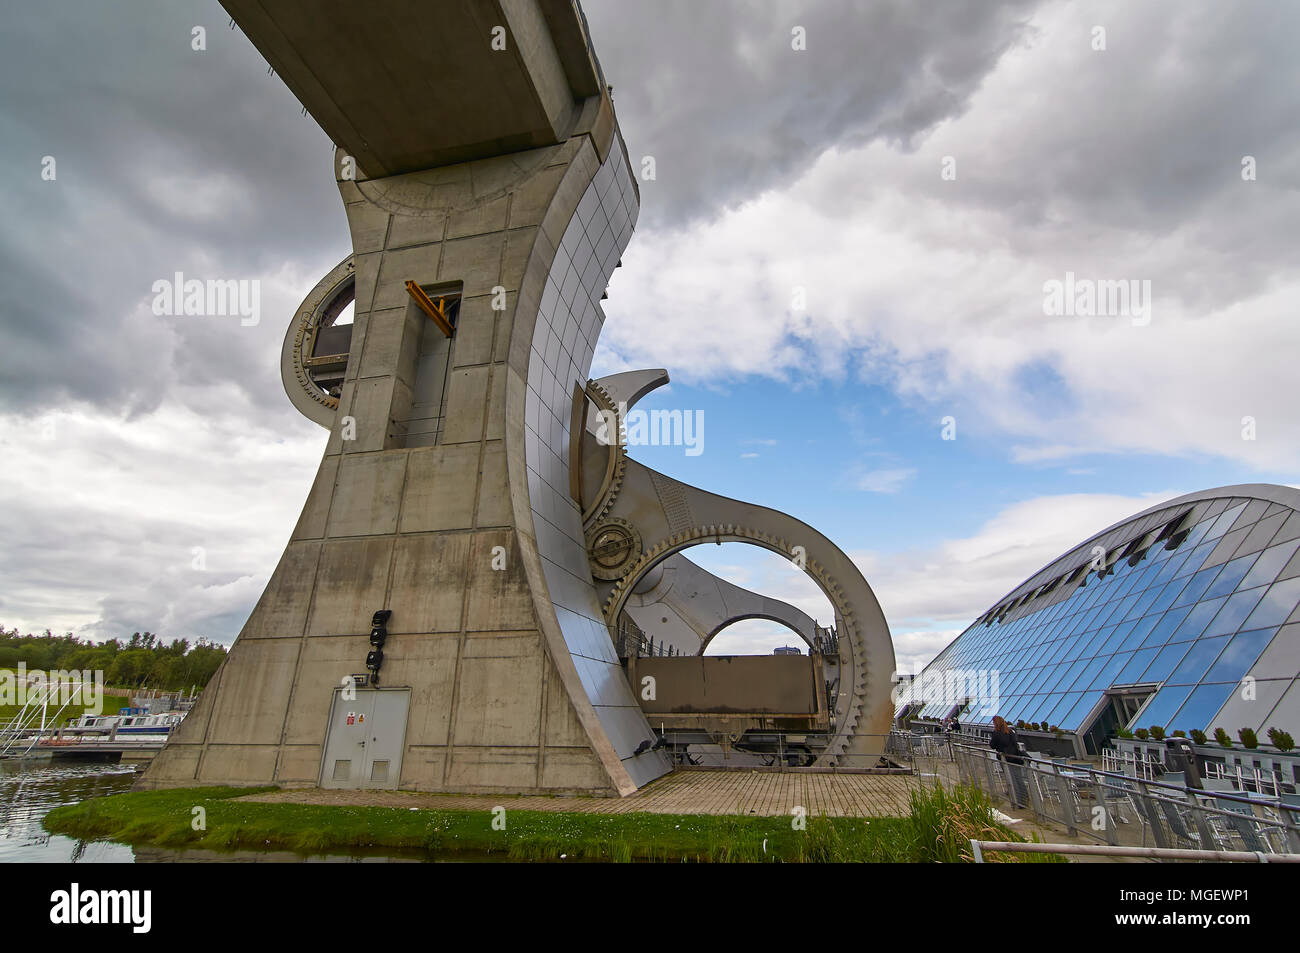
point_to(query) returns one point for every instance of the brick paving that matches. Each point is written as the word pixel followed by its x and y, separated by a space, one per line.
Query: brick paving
pixel 757 793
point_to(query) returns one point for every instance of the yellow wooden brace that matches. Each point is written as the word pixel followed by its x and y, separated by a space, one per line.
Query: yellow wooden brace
pixel 438 312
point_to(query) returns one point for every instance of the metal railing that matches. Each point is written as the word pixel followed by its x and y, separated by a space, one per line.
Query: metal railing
pixel 1128 763
pixel 923 745
pixel 1127 810
pixel 1254 779
pixel 826 640
pixel 34 719
pixel 978 847
pixel 630 639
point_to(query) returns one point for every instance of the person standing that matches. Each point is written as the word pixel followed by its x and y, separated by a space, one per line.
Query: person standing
pixel 1006 743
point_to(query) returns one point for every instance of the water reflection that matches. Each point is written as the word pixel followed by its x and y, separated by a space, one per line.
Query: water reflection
pixel 31 789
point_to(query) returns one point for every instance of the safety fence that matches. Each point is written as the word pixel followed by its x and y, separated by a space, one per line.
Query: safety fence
pixel 980 847
pixel 1226 776
pixel 1121 809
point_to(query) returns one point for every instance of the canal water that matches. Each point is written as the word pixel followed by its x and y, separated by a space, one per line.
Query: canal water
pixel 31 789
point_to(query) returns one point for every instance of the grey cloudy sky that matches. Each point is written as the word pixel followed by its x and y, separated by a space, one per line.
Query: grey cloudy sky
pixel 135 445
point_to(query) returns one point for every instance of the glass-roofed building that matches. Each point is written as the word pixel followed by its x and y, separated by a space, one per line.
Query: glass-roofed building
pixel 1186 616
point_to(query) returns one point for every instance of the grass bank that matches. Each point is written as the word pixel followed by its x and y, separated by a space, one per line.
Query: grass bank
pixel 939 828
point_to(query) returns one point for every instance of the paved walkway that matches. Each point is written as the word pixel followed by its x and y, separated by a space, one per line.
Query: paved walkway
pixel 758 793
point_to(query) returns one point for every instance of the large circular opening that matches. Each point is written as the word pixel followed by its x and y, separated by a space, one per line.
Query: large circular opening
pixel 730 605
pixel 731 599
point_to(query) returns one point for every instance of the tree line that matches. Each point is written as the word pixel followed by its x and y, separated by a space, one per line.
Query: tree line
pixel 144 660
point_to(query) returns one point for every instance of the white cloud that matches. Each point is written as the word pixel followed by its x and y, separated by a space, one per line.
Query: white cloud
pixel 914 649
pixel 169 522
pixel 930 595
pixel 884 481
pixel 714 92
pixel 935 288
pixel 198 198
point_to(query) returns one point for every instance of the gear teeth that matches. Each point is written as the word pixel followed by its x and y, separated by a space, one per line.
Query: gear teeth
pixel 604 398
pixel 303 323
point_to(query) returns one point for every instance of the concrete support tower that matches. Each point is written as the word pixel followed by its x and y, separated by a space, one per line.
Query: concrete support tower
pixel 489 197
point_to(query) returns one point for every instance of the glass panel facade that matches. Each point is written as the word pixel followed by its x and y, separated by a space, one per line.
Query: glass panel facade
pixel 1200 708
pixel 1162 707
pixel 1158 617
pixel 1239 655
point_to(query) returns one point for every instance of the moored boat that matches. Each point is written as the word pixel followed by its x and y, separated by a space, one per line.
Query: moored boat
pixel 128 721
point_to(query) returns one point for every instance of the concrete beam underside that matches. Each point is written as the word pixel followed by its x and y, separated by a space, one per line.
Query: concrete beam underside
pixel 406 85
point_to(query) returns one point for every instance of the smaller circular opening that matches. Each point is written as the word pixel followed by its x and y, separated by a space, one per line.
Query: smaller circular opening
pixel 755 637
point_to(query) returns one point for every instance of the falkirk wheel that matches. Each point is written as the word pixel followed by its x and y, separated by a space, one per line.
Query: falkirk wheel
pixel 457 606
